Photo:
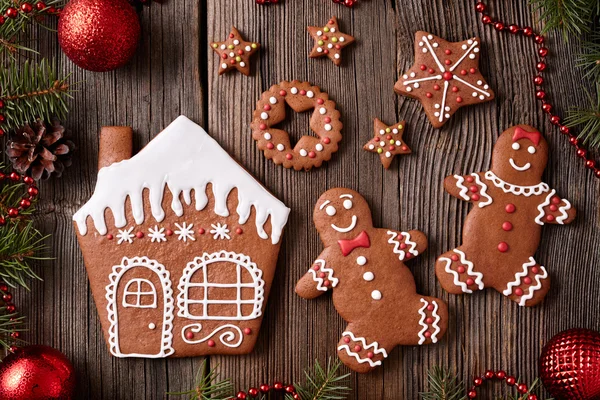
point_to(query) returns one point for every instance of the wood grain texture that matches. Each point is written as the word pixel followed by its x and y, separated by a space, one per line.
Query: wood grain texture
pixel 174 72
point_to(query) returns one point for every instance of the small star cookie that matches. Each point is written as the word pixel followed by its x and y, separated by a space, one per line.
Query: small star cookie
pixel 234 53
pixel 387 142
pixel 329 41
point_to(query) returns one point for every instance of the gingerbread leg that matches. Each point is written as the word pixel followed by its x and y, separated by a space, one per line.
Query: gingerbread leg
pixel 457 274
pixel 530 284
pixel 360 351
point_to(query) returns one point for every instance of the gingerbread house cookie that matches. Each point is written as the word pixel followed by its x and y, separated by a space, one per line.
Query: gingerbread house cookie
pixel 180 244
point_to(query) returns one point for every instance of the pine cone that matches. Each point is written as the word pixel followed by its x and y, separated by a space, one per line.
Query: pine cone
pixel 40 150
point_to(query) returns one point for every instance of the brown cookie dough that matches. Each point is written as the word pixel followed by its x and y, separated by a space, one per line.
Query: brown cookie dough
pixel 234 53
pixel 387 142
pixel 502 232
pixel 372 288
pixel 444 77
pixel 325 123
pixel 329 41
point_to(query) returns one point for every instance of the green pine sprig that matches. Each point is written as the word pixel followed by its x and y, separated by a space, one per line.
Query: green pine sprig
pixel 589 59
pixel 30 91
pixel 208 386
pixel 323 384
pixel 9 324
pixel 570 17
pixel 587 120
pixel 443 385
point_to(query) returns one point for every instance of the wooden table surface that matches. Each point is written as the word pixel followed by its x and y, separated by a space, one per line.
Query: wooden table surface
pixel 175 72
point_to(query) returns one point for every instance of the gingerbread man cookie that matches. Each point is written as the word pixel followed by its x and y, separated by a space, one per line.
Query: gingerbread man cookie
pixel 502 231
pixel 372 288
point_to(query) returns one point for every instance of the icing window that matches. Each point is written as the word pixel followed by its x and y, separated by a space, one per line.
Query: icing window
pixel 139 293
pixel 221 286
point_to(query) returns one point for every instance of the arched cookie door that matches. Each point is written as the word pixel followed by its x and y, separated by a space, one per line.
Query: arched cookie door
pixel 140 291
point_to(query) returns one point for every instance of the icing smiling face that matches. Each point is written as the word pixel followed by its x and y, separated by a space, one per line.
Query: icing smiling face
pixel 341 212
pixel 520 155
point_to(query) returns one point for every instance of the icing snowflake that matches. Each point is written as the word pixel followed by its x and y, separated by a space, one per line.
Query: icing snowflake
pixel 157 235
pixel 125 235
pixel 220 231
pixel 185 232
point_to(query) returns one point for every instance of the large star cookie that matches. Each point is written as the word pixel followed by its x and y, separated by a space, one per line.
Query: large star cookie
pixel 387 142
pixel 329 41
pixel 444 77
pixel 234 52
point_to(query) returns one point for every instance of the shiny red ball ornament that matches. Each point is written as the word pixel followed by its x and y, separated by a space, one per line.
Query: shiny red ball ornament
pixel 99 35
pixel 36 373
pixel 570 365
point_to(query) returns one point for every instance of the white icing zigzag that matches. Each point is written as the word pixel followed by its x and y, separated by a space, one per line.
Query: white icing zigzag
pixel 319 280
pixel 516 189
pixel 482 192
pixel 518 276
pixel 365 346
pixel 463 188
pixel 470 271
pixel 165 163
pixel 538 219
pixel 533 289
pixel 563 210
pixel 411 246
pixel 435 323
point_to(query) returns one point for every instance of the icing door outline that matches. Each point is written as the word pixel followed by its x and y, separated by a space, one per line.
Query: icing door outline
pixel 135 288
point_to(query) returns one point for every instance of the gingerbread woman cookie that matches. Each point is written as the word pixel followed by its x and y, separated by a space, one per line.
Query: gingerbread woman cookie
pixel 502 231
pixel 372 288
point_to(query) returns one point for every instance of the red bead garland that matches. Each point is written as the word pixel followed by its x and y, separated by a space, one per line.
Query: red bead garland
pixel 543 52
pixel 10 309
pixel 500 376
pixel 264 389
pixel 25 202
pixel 26 8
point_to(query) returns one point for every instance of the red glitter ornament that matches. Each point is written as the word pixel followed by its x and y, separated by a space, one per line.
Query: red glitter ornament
pixel 570 365
pixel 99 35
pixel 36 372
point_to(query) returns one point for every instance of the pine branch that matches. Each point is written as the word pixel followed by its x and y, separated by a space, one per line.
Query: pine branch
pixel 587 120
pixel 443 385
pixel 208 386
pixel 570 17
pixel 9 324
pixel 323 384
pixel 31 91
pixel 589 60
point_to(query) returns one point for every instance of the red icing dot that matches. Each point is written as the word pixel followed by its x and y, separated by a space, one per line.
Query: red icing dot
pixel 211 343
pixel 267 107
pixel 232 61
pixel 550 218
pixel 502 247
pixel 454 257
pixel 519 292
pixel 447 75
pixel 527 280
pixel 469 179
pixel 556 200
pixel 224 56
pixel 346 340
pixel 311 154
pixel 463 71
pixel 377 138
pixel 316 267
pixel 407 256
pixel 109 236
pixel 320 101
pixel 427 334
pixel 470 281
pixel 448 52
pixel 270 146
pixel 429 95
pixel 475 197
pixel 370 354
pixel 553 207
pixel 429 320
pixel 139 235
pixel 507 226
pixel 510 208
pixel 459 99
pixel 392 148
pixel 201 231
pixel 282 93
pixel 326 51
pixel 402 246
pixel 327 120
pixel 431 70
pixel 430 307
pixel 461 269
pixel 423 67
pixel 247 331
pixel 169 232
pixel 330 22
pixel 324 37
pixel 288 156
pixel 535 270
pixel 262 126
pixel 326 140
pixel 447 62
pixel 388 137
pixel 337 46
pixel 303 92
pixel 436 87
pixel 322 275
pixel 404 148
pixel 357 348
pixel 231 36
pixel 189 335
pixel 474 189
pixel 454 89
pixel 472 70
pixel 239 231
pixel 326 283
pixel 240 52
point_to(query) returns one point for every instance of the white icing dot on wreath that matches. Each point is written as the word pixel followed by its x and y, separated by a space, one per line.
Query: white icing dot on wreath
pixel 264 115
pixel 481 97
pixel 472 56
pixel 361 260
pixel 470 41
pixel 388 154
pixel 412 74
pixel 368 276
pixel 330 46
pixel 408 89
pixel 267 136
pixel 395 131
pixel 371 147
pixel 310 94
pixel 405 76
pixel 224 66
pixel 327 127
pixel 424 50
pixel 248 48
pixel 319 147
pixel 376 295
pixel 382 143
pixel 436 105
pixel 294 90
pixel 280 147
pixel 416 85
pixel 303 153
pixel 242 64
pixel 236 42
pixel 429 37
pixel 319 33
pixel 476 50
pixel 486 86
pixel 342 39
pixel 421 44
pixel 437 114
pixel 435 44
pixel 479 82
pixel 474 94
pixel 464 47
pixel 336 56
pixel 273 100
pixel 319 49
pixel 223 47
pixel 322 110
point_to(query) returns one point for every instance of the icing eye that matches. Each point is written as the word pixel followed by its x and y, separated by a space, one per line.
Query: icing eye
pixel 516 146
pixel 330 210
pixel 531 150
pixel 347 204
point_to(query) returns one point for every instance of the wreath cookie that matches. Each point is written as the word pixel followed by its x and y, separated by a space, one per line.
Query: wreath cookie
pixel 310 151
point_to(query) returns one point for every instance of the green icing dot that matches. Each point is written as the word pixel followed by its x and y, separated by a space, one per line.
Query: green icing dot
pixel 388 130
pixel 399 126
pixel 215 45
pixel 231 47
pixel 326 29
pixel 253 45
pixel 334 39
pixel 380 150
pixel 392 141
pixel 320 42
pixel 238 59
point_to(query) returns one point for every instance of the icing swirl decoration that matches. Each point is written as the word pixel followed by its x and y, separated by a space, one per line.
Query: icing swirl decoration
pixel 231 336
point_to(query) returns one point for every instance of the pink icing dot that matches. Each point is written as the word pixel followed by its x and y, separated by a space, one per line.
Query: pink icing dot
pixel 346 340
pixel 423 67
pixel 370 354
pixel 475 197
pixel 519 292
pixel 201 231
pixel 270 146
pixel 459 99
pixel 447 62
pixel 454 257
pixel 448 52
pixel 470 281
pixel 469 179
pixel 454 89
pixel 326 140
pixel 211 343
pixel 431 71
pixel 429 320
pixel 472 70
pixel 326 283
pixel 430 307
pixel 527 280
pixel 247 331
pixel 553 208
pixel 555 200
pixel 303 92
pixel 463 71
pixel 403 246
pixel 460 269
pixel 429 95
pixel 535 270
pixel 327 120
pixel 109 236
pixel 550 218
pixel 262 127
pixel 322 275
pixel 436 87
pixel 311 154
pixel 288 156
pixel 320 101
pixel 357 348
pixel 189 335
pixel 139 235
pixel 282 93
pixel 316 267
pixel 267 107
pixel 427 334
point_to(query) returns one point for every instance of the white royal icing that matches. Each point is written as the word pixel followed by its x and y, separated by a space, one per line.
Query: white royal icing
pixel 470 271
pixel 156 234
pixel 196 274
pixel 125 235
pixel 563 210
pixel 482 192
pixel 112 308
pixel 334 281
pixel 411 246
pixel 365 346
pixel 185 232
pixel 538 219
pixel 220 232
pixel 376 295
pixel 463 188
pixel 533 289
pixel 526 191
pixel 521 275
pixel 435 323
pixel 518 276
pixel 228 338
pixel 165 163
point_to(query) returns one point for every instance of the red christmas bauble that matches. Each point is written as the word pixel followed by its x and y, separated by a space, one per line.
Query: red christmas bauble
pixel 36 373
pixel 99 35
pixel 570 365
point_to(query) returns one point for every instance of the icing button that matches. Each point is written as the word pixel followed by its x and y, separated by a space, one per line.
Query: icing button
pixel 502 247
pixel 510 208
pixel 376 295
pixel 362 260
pixel 507 226
pixel 368 276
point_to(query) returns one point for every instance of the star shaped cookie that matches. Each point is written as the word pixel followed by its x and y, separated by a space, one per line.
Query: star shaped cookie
pixel 444 77
pixel 329 41
pixel 234 53
pixel 387 142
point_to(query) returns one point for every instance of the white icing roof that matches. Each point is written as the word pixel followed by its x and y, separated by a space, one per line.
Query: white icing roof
pixel 183 158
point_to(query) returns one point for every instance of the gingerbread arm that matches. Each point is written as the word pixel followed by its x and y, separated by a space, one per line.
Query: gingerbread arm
pixel 318 280
pixel 407 245
pixel 554 210
pixel 469 188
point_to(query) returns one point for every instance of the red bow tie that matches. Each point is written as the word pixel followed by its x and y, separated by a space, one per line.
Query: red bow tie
pixel 362 240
